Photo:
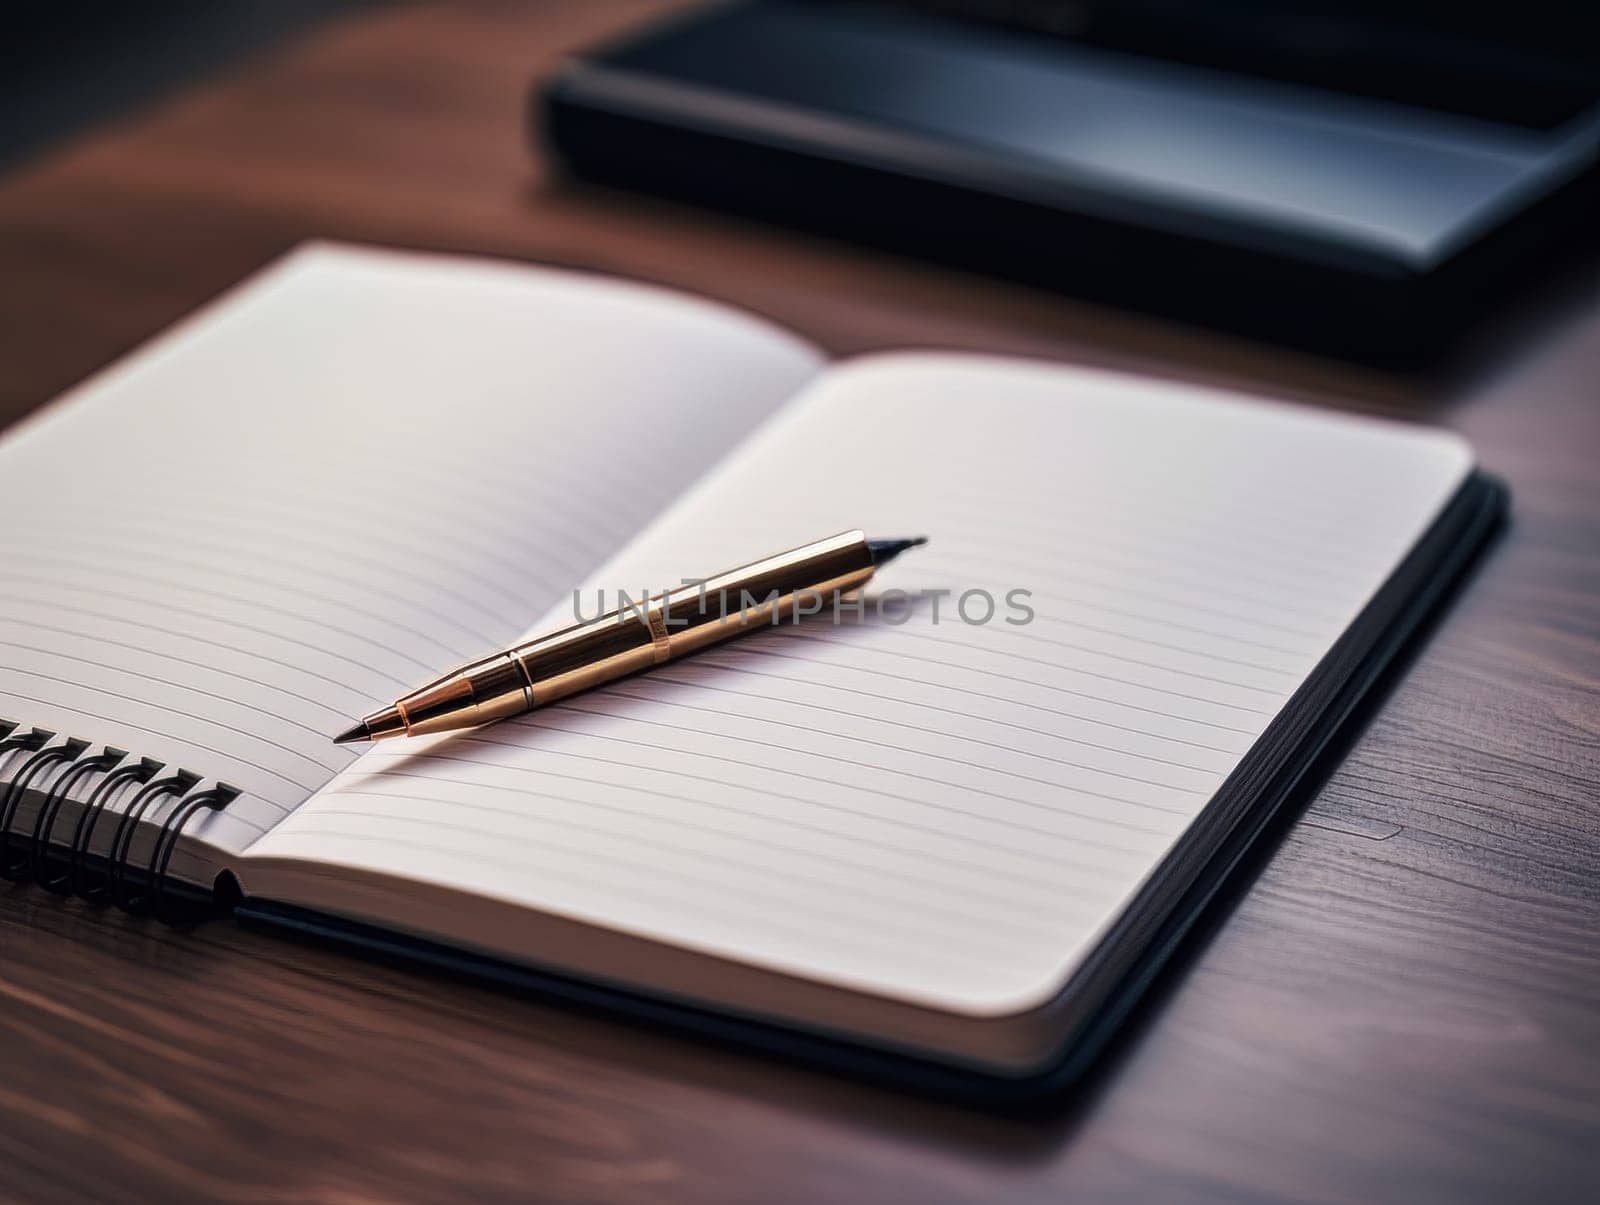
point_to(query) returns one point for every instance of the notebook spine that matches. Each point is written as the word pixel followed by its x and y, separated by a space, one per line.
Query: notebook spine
pixel 117 794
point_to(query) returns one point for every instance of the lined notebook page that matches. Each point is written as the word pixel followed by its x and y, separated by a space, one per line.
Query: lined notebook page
pixel 940 812
pixel 359 468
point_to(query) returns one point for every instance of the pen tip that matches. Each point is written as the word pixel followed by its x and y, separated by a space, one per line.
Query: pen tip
pixel 351 735
pixel 884 551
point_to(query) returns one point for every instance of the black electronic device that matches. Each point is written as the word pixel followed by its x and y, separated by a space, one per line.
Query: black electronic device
pixel 1361 179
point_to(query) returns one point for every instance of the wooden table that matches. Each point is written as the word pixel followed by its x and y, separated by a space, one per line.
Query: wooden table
pixel 1403 1006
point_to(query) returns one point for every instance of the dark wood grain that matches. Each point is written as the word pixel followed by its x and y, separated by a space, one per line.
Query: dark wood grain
pixel 1404 1006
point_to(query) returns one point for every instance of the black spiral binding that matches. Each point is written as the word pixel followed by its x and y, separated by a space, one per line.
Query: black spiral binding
pixel 65 770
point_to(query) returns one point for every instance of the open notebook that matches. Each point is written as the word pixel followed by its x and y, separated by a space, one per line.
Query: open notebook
pixel 963 842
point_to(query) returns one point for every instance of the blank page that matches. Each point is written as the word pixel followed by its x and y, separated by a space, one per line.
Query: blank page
pixel 942 812
pixel 355 471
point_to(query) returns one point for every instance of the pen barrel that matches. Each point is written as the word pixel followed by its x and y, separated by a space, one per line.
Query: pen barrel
pixel 681 621
pixel 633 638
pixel 480 693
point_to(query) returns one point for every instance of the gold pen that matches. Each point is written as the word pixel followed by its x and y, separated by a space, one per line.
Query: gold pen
pixel 633 638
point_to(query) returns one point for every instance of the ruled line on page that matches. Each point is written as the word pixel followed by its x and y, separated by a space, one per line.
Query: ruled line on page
pixel 918 845
pixel 940 824
pixel 599 709
pixel 429 546
pixel 187 688
pixel 1072 717
pixel 380 578
pixel 746 742
pixel 1161 563
pixel 164 604
pixel 246 735
pixel 1147 580
pixel 22 617
pixel 672 696
pixel 1143 826
pixel 333 712
pixel 1164 645
pixel 1299 511
pixel 1141 689
pixel 749 873
pixel 182 577
pixel 800 632
pixel 898 840
pixel 977 958
pixel 1167 541
pixel 973 884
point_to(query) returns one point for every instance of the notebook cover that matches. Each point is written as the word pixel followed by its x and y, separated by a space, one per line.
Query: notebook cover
pixel 1131 954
